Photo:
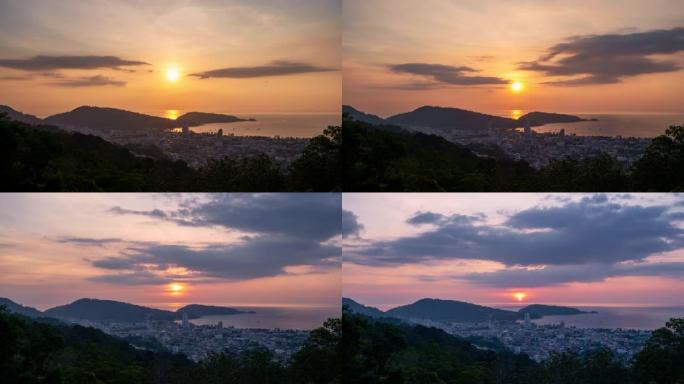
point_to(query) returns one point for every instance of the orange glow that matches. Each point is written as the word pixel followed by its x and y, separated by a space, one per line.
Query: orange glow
pixel 171 114
pixel 520 296
pixel 175 289
pixel 516 113
pixel 172 74
pixel 517 87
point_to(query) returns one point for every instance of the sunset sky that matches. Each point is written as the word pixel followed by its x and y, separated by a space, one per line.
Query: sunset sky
pixel 587 56
pixel 572 249
pixel 230 56
pixel 168 250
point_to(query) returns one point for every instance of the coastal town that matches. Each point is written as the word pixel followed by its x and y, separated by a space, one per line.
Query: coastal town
pixel 540 341
pixel 198 341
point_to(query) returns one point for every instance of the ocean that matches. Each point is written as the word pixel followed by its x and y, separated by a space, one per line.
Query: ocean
pixel 301 318
pixel 626 125
pixel 645 318
pixel 283 125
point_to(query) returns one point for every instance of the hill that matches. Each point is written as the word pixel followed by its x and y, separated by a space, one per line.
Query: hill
pixel 540 310
pixel 109 310
pixel 452 311
pixel 197 310
pixel 361 309
pixel 541 118
pixel 199 118
pixel 103 120
pixel 354 114
pixel 452 118
pixel 442 118
pixel 15 115
pixel 19 309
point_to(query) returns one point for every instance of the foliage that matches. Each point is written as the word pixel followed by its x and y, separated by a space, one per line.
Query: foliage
pixel 47 351
pixel 45 158
pixel 385 158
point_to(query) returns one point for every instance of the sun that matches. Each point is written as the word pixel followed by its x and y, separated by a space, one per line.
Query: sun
pixel 520 296
pixel 172 74
pixel 175 289
pixel 517 86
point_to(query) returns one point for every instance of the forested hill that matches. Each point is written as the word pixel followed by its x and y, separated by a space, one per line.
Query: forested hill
pixel 45 158
pixel 33 352
pixel 379 352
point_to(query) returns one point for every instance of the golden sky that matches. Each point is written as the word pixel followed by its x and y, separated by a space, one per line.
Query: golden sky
pixel 266 56
pixel 609 56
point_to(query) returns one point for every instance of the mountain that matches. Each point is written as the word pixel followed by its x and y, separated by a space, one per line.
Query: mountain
pixel 354 114
pixel 106 119
pixel 539 310
pixel 19 309
pixel 109 310
pixel 541 118
pixel 452 118
pixel 199 118
pixel 361 309
pixel 15 115
pixel 197 310
pixel 453 311
pixel 461 119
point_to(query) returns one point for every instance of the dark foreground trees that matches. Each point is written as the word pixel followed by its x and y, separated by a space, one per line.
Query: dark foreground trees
pixel 388 159
pixel 378 351
pixel 47 351
pixel 48 159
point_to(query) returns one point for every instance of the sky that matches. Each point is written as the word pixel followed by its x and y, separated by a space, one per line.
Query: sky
pixel 223 56
pixel 563 249
pixel 584 56
pixel 168 250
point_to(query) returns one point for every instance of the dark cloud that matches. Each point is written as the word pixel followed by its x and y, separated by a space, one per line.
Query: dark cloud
pixel 46 63
pixel 131 278
pixel 90 81
pixel 350 224
pixel 563 274
pixel 89 241
pixel 426 218
pixel 276 68
pixel 606 59
pixel 280 230
pixel 314 216
pixel 593 230
pixel 446 74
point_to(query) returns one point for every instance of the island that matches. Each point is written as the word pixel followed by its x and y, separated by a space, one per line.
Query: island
pixel 200 118
pixel 197 310
pixel 537 311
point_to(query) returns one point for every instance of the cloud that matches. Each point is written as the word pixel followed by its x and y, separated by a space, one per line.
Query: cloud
pixel 89 241
pixel 350 224
pixel 584 273
pixel 46 63
pixel 593 230
pixel 426 218
pixel 90 81
pixel 446 74
pixel 131 278
pixel 607 59
pixel 314 216
pixel 276 68
pixel 279 230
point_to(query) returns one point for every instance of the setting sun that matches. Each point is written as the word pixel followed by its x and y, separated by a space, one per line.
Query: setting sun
pixel 175 289
pixel 517 87
pixel 172 74
pixel 520 296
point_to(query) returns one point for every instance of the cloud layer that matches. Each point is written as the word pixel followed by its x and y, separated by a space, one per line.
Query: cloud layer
pixel 275 231
pixel 606 59
pixel 587 240
pixel 48 63
pixel 276 68
pixel 445 74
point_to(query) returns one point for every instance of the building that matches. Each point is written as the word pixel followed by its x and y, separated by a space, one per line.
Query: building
pixel 220 132
pixel 186 322
pixel 186 130
pixel 527 319
pixel 528 128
